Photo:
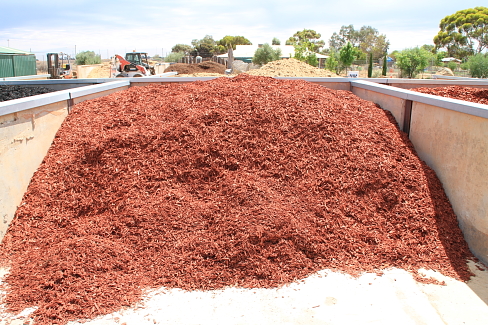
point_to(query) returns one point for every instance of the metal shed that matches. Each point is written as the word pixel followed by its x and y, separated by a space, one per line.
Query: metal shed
pixel 15 63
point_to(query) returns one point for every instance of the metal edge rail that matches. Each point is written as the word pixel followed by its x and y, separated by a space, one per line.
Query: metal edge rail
pixel 447 103
pixel 21 104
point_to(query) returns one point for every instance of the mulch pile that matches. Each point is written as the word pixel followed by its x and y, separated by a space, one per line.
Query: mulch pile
pixel 244 181
pixel 16 92
pixel 207 67
pixel 468 94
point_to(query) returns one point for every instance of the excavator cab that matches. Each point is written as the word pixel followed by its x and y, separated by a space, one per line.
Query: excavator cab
pixel 139 58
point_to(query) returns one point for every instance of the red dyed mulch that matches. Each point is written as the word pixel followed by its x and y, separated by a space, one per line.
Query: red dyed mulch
pixel 468 94
pixel 245 181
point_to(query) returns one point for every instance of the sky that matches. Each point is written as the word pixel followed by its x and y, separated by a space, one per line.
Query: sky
pixel 111 27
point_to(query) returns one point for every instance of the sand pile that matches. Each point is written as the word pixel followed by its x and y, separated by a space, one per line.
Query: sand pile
pixel 290 68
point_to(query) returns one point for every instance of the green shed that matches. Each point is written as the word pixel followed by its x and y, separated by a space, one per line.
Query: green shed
pixel 15 63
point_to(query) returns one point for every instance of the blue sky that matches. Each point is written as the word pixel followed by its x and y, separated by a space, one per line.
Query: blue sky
pixel 111 27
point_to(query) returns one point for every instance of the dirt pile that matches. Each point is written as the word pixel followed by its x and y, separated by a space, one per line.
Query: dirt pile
pixel 245 181
pixel 202 74
pixel 290 68
pixel 16 92
pixel 204 67
pixel 445 72
pixel 468 94
pixel 102 71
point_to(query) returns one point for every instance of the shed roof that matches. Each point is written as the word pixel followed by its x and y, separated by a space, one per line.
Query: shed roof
pixel 9 50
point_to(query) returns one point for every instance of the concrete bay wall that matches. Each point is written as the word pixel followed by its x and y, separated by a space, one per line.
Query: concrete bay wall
pixel 451 136
pixel 27 129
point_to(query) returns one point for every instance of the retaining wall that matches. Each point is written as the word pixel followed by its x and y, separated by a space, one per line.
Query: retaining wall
pixel 27 129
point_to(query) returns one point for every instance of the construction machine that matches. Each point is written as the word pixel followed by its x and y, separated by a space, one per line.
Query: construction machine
pixel 135 64
pixel 59 66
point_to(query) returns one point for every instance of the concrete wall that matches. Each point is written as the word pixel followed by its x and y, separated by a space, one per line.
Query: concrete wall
pixel 451 136
pixel 455 145
pixel 27 129
pixel 25 138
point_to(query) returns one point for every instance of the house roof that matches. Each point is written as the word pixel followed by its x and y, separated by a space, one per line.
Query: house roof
pixel 247 51
pixel 450 59
pixel 9 50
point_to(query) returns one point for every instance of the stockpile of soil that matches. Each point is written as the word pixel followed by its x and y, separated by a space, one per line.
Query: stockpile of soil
pixel 290 68
pixel 203 74
pixel 206 67
pixel 16 92
pixel 468 94
pixel 244 181
pixel 101 71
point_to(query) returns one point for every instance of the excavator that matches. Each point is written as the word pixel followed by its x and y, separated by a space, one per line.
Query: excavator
pixel 135 64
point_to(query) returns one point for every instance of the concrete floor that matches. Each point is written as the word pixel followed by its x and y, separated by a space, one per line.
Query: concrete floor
pixel 323 298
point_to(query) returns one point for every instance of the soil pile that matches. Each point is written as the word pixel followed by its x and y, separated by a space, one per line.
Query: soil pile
pixel 245 181
pixel 16 92
pixel 204 67
pixel 102 71
pixel 290 68
pixel 468 94
pixel 203 74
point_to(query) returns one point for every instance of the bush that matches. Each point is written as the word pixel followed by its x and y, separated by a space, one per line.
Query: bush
pixel 88 57
pixel 412 61
pixel 478 66
pixel 174 57
pixel 452 65
pixel 266 54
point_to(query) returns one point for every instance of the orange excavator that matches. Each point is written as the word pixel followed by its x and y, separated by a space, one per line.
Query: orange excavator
pixel 135 64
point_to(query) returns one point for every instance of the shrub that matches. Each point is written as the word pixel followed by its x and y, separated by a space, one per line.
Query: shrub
pixel 174 57
pixel 88 57
pixel 266 54
pixel 370 65
pixel 478 66
pixel 412 61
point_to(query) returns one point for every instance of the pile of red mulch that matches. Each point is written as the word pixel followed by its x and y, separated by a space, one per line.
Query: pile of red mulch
pixel 207 66
pixel 475 95
pixel 245 181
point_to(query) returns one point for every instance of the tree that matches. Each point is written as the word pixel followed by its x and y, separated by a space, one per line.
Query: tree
pixel 385 65
pixel 478 66
pixel 370 65
pixel 307 36
pixel 227 41
pixel 181 48
pixel 347 54
pixel 275 41
pixel 156 57
pixel 464 32
pixel 205 47
pixel 332 62
pixel 305 52
pixel 88 57
pixel 412 61
pixel 367 39
pixel 266 54
pixel 174 57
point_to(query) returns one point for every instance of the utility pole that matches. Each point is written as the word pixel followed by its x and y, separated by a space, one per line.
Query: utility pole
pixel 8 42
